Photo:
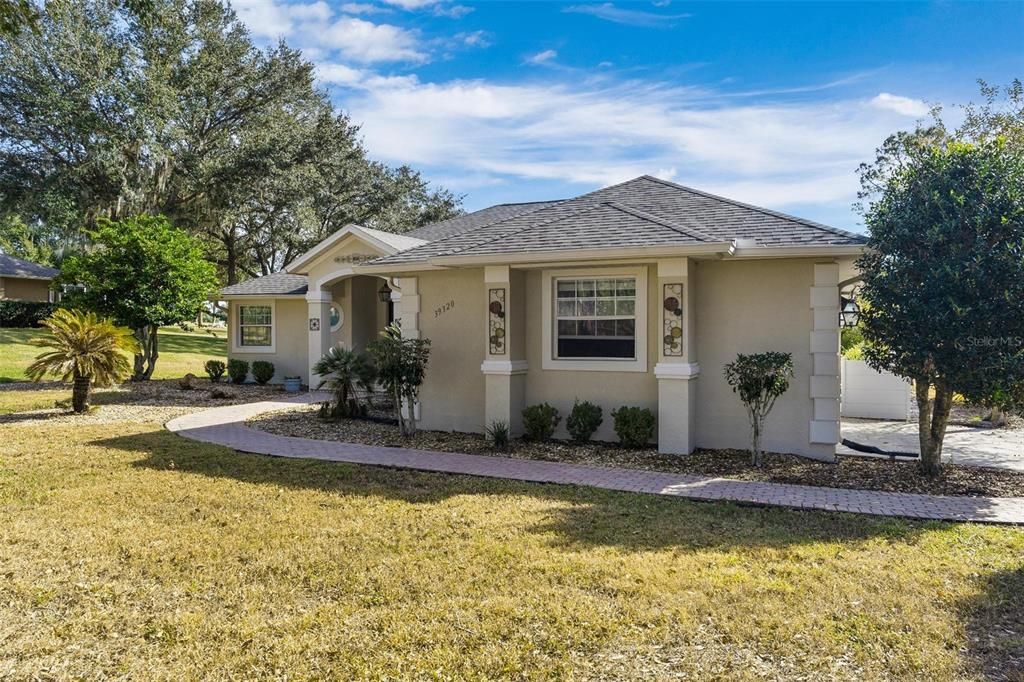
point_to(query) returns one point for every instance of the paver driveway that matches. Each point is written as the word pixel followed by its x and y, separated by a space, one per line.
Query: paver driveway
pixel 226 426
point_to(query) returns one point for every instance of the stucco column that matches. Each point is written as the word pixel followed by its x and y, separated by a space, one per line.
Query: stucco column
pixel 677 369
pixel 407 314
pixel 407 307
pixel 319 328
pixel 825 384
pixel 504 366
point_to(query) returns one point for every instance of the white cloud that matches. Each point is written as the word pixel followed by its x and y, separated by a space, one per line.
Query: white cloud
pixel 542 57
pixel 363 8
pixel 474 39
pixel 452 12
pixel 629 17
pixel 901 105
pixel 366 42
pixel 411 4
pixel 269 19
pixel 491 133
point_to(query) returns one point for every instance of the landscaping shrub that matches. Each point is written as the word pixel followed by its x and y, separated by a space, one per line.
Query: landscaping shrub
pixel 262 371
pixel 214 370
pixel 584 419
pixel 498 433
pixel 634 426
pixel 347 374
pixel 759 379
pixel 540 421
pixel 238 370
pixel 25 313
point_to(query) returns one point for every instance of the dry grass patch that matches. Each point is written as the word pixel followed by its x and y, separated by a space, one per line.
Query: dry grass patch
pixel 129 552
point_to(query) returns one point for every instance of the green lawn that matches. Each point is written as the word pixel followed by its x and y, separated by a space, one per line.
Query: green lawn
pixel 180 352
pixel 129 552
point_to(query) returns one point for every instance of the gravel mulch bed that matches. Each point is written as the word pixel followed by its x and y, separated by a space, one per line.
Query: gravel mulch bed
pixel 155 401
pixel 849 472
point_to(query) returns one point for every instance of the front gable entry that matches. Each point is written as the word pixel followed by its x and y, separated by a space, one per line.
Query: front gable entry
pixel 339 255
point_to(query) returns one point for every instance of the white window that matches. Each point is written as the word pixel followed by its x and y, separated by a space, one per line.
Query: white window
pixel 255 332
pixel 595 320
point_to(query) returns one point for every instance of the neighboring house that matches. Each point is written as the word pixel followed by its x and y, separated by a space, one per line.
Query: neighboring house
pixel 636 294
pixel 22 280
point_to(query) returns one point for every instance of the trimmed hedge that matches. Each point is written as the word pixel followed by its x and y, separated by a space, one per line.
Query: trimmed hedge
pixel 24 313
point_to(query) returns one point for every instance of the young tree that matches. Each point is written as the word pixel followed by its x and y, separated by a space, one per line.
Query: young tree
pixel 144 273
pixel 86 350
pixel 346 373
pixel 401 368
pixel 944 273
pixel 759 379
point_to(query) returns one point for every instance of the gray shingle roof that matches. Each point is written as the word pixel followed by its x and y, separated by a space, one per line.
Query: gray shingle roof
pixel 476 219
pixel 645 211
pixel 278 284
pixel 15 267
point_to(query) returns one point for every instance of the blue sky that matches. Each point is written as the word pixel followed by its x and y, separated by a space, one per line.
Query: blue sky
pixel 770 103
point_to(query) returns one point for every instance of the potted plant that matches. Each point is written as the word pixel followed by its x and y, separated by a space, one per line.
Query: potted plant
pixel 292 384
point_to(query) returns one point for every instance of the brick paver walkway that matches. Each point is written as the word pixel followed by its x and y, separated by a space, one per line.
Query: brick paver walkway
pixel 226 426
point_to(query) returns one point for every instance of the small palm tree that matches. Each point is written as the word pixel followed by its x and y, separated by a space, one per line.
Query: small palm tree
pixel 87 350
pixel 346 372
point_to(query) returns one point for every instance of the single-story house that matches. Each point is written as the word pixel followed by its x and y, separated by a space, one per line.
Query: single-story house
pixel 22 280
pixel 635 294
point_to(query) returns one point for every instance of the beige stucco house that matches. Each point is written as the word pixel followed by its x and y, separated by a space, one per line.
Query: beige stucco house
pixel 636 294
pixel 22 280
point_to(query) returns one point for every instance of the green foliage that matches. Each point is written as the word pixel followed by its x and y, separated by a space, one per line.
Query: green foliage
pixel 17 16
pixel 215 369
pixel 238 370
pixel 262 371
pixel 584 419
pixel 144 273
pixel 498 433
pixel 945 276
pixel 85 349
pixel 24 313
pixel 759 379
pixel 346 372
pixel 21 241
pixel 540 421
pixel 634 426
pixel 174 110
pixel 401 368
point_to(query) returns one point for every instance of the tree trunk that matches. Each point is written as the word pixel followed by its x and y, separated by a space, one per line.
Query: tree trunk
pixel 410 423
pixel 145 362
pixel 756 458
pixel 231 257
pixel 397 398
pixel 932 417
pixel 80 393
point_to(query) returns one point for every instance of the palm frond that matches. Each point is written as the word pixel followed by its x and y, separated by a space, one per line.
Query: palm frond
pixel 83 344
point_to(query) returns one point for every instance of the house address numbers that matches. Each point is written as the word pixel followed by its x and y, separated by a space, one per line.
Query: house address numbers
pixel 444 307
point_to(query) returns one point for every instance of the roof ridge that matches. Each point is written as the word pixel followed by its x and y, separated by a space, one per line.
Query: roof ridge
pixel 655 218
pixel 582 209
pixel 522 203
pixel 488 241
pixel 759 209
pixel 441 241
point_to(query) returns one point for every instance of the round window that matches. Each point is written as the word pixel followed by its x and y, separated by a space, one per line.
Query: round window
pixel 337 317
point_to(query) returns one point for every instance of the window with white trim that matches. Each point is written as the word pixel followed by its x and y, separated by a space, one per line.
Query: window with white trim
pixel 255 326
pixel 595 318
